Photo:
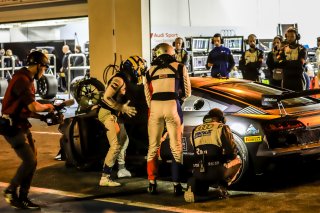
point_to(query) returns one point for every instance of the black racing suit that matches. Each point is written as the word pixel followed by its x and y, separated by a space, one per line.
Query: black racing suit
pixel 213 147
pixel 250 63
pixel 292 59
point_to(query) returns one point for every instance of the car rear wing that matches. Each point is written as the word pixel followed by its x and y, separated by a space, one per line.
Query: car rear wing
pixel 275 100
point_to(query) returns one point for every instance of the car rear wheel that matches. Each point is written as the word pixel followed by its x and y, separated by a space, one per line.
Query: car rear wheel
pixel 242 152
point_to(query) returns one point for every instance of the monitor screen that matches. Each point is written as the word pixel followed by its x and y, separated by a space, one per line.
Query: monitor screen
pixel 200 44
pixel 234 43
pixel 236 58
pixel 199 62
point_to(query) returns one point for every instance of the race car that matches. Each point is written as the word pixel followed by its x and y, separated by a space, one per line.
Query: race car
pixel 267 123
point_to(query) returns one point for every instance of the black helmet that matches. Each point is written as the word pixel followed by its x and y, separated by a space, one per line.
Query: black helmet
pixel 214 113
pixel 37 57
pixel 135 67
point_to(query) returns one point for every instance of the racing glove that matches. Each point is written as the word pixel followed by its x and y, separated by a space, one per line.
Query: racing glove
pixel 129 110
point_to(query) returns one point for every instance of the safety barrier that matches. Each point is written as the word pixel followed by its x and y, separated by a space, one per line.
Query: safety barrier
pixel 84 67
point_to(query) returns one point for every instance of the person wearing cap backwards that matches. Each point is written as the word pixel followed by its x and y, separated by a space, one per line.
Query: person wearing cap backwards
pixel 18 105
pixel 167 84
pixel 215 158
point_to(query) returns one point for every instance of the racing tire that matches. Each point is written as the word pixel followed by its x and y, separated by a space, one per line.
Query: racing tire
pixel 243 153
pixel 3 86
pixel 89 89
pixel 74 85
pixel 47 86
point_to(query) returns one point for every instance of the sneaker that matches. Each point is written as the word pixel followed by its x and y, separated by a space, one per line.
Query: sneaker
pixel 11 197
pixel 178 190
pixel 123 173
pixel 28 204
pixel 107 181
pixel 152 188
pixel 58 157
pixel 189 196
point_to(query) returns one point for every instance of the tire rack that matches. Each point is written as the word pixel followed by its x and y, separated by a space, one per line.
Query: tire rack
pixel 84 67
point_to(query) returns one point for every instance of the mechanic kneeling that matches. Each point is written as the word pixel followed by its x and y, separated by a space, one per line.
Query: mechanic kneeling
pixel 215 158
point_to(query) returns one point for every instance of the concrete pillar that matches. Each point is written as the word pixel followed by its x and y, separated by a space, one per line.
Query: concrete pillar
pixel 118 27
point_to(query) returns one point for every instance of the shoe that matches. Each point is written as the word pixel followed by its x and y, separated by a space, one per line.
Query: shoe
pixel 178 190
pixel 28 204
pixel 222 192
pixel 123 173
pixel 11 197
pixel 58 157
pixel 189 196
pixel 107 181
pixel 152 188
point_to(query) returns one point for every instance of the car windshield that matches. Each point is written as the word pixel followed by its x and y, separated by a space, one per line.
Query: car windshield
pixel 252 92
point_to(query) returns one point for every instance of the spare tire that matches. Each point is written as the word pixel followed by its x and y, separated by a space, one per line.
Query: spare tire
pixel 47 86
pixel 89 89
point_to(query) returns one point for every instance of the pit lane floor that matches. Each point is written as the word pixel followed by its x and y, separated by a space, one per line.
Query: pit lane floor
pixel 287 188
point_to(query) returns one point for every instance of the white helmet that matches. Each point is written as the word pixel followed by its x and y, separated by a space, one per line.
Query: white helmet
pixel 163 48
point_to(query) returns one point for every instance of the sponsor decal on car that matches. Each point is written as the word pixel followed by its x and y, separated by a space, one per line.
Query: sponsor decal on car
pixel 252 130
pixel 250 139
pixel 184 144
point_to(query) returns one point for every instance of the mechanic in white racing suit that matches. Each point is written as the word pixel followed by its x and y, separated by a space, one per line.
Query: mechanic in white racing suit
pixel 114 102
pixel 215 158
pixel 167 82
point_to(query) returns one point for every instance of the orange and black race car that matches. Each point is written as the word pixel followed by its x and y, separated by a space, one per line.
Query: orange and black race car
pixel 267 123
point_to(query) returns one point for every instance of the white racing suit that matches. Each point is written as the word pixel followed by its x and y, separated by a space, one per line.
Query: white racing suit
pixel 117 136
pixel 163 90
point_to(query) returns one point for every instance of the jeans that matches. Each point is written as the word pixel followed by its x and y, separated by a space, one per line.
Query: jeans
pixel 23 145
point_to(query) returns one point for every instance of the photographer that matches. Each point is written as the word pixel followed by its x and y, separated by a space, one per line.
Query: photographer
pixel 273 61
pixel 17 106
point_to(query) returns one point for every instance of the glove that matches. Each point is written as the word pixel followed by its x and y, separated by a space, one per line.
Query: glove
pixel 129 110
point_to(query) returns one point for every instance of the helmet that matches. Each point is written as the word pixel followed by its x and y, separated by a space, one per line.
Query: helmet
pixel 163 48
pixel 37 57
pixel 135 67
pixel 214 113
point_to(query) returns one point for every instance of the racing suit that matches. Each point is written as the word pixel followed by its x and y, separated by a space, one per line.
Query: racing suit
pixel 250 63
pixel 292 59
pixel 112 104
pixel 164 81
pixel 182 56
pixel 215 158
pixel 222 61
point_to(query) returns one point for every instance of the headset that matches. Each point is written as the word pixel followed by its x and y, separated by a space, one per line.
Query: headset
pixel 254 36
pixel 294 30
pixel 174 43
pixel 280 37
pixel 216 36
pixel 214 113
